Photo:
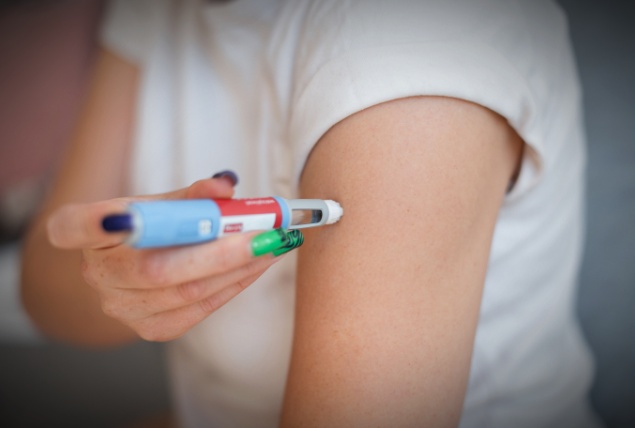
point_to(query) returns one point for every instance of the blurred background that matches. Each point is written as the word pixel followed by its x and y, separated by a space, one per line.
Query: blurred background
pixel 46 51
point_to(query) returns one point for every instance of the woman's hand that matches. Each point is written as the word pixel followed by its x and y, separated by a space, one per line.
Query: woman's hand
pixel 162 293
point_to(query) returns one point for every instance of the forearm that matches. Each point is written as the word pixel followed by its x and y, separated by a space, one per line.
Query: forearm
pixel 54 292
pixel 57 298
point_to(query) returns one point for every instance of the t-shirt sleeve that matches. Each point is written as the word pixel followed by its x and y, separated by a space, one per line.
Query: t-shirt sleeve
pixel 373 52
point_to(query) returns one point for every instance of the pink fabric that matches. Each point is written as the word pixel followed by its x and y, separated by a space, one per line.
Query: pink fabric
pixel 46 50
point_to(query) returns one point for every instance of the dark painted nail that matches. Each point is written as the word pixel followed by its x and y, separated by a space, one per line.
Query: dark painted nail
pixel 117 223
pixel 231 175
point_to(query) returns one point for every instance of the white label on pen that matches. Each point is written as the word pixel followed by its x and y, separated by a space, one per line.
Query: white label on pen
pixel 245 223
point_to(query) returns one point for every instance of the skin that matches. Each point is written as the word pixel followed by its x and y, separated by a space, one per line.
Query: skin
pixel 80 284
pixel 387 299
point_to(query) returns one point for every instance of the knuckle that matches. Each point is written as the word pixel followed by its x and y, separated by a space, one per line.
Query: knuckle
pixel 254 268
pixel 149 335
pixel 147 331
pixel 244 283
pixel 210 304
pixel 110 308
pixel 89 273
pixel 189 291
pixel 152 269
pixel 153 333
pixel 113 304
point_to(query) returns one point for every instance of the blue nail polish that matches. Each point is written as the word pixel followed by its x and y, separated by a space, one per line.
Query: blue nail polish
pixel 227 174
pixel 117 223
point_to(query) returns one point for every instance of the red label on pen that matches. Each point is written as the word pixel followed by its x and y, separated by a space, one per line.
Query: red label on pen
pixel 251 206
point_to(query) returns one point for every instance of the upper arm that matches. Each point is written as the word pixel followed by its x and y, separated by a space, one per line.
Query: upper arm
pixel 388 298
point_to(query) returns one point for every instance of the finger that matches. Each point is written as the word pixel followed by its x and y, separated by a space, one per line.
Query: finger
pixel 173 324
pixel 221 186
pixel 229 175
pixel 135 304
pixel 170 266
pixel 77 226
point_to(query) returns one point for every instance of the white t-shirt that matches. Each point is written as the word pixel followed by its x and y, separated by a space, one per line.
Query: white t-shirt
pixel 251 85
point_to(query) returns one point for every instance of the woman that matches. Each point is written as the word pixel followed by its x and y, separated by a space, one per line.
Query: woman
pixel 451 134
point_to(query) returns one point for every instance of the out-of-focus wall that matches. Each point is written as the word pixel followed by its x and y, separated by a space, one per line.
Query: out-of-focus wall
pixel 604 39
pixel 46 49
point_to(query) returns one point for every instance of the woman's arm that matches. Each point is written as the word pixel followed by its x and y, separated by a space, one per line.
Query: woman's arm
pixel 91 288
pixel 388 298
pixel 53 291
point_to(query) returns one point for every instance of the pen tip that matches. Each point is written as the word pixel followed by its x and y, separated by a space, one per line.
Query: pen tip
pixel 117 223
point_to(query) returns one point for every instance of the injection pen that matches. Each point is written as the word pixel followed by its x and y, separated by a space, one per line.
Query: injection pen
pixel 155 224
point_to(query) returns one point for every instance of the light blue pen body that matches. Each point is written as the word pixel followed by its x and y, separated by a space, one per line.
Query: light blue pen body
pixel 154 224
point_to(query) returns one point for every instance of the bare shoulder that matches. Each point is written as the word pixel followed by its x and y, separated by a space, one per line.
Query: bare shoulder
pixel 388 298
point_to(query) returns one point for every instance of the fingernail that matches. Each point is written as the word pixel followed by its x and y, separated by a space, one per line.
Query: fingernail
pixel 117 223
pixel 269 241
pixel 295 238
pixel 230 175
